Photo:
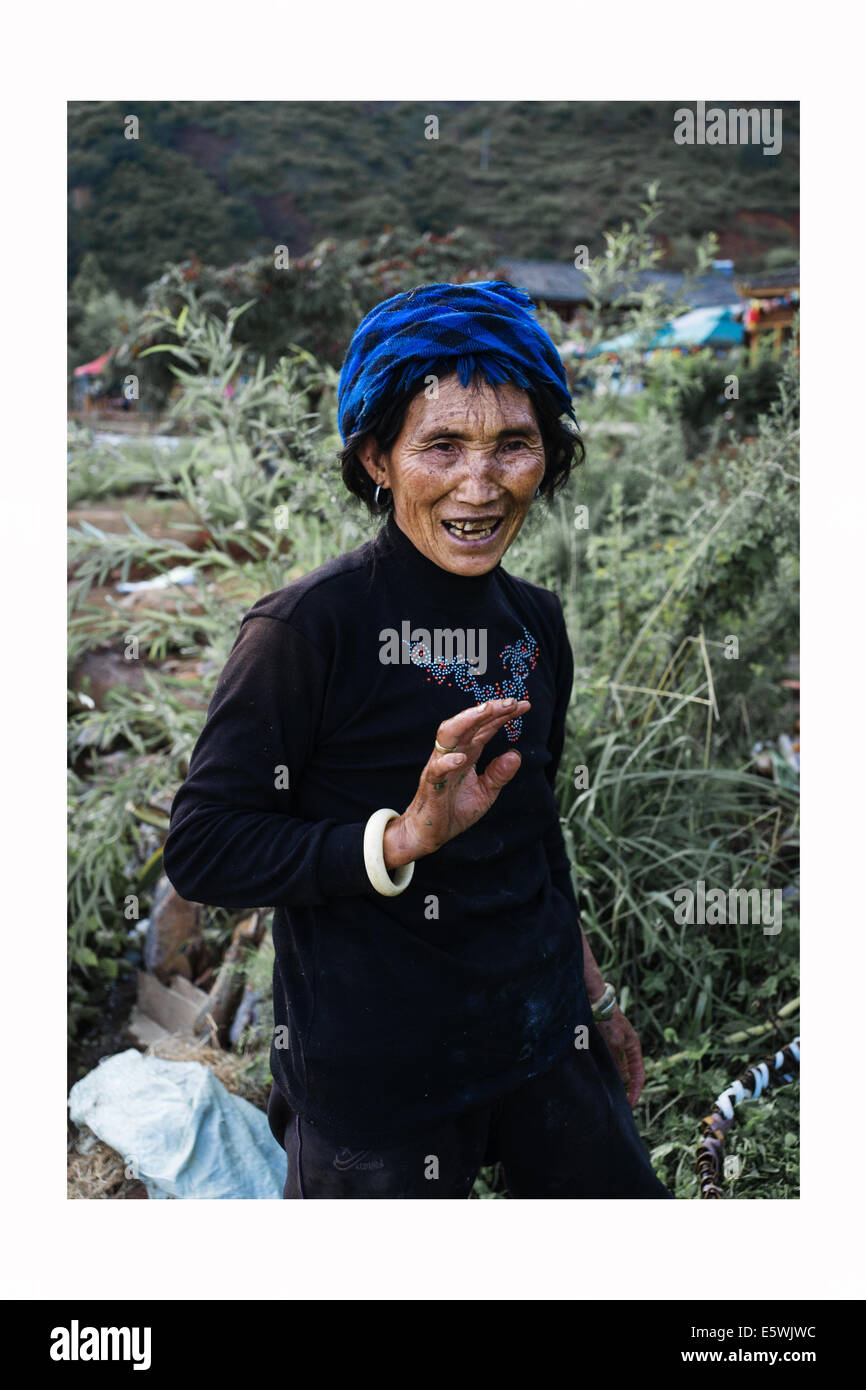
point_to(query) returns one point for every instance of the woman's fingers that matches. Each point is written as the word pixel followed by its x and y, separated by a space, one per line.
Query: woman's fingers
pixel 439 766
pixel 500 771
pixel 440 810
pixel 485 733
pixel 479 722
pixel 459 741
pixel 463 725
pixel 636 1073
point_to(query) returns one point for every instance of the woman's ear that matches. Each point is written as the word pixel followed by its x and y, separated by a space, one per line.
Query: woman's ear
pixel 372 459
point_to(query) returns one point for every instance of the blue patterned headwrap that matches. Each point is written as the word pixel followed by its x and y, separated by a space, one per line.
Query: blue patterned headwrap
pixel 488 327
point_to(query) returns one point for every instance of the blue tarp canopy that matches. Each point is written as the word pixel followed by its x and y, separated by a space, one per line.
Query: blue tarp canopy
pixel 710 327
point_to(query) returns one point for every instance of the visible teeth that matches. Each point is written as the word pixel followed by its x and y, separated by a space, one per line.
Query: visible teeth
pixel 472 528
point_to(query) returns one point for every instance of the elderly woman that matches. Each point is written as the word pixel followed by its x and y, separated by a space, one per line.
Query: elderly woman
pixel 378 763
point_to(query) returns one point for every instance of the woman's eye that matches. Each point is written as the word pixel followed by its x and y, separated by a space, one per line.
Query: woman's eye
pixel 514 446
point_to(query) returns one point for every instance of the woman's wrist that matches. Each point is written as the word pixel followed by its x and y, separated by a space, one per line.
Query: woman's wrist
pixel 605 1006
pixel 397 847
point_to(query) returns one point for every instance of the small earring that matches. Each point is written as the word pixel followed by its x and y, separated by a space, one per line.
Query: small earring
pixel 538 492
pixel 376 493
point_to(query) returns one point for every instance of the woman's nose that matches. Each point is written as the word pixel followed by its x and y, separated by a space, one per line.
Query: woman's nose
pixel 479 477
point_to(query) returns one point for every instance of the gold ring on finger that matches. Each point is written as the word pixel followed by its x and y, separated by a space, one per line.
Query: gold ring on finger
pixel 439 749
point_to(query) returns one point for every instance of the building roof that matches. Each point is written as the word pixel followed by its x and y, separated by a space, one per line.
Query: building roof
pixel 558 282
pixel 548 280
pixel 771 279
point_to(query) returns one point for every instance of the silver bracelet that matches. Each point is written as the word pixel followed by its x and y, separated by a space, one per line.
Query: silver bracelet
pixel 605 1005
pixel 374 857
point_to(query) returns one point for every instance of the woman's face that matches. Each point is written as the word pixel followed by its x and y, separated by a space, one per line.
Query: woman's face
pixel 463 472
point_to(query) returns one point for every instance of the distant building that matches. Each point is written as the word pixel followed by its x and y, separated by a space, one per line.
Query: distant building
pixel 566 290
pixel 772 300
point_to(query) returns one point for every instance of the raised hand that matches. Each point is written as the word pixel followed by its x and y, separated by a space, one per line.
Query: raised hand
pixel 451 795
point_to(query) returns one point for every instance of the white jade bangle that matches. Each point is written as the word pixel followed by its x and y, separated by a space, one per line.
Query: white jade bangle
pixel 374 857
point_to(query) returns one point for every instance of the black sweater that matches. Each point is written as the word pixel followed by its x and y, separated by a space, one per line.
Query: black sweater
pixel 392 1014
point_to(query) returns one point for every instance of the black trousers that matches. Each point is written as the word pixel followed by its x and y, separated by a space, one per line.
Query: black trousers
pixel 567 1133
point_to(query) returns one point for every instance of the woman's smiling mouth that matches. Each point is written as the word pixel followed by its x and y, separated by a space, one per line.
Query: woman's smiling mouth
pixel 471 531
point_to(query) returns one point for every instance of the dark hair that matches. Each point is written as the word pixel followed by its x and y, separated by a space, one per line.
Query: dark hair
pixel 563 446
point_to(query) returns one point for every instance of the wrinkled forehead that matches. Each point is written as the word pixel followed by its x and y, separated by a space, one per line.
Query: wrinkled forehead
pixel 478 408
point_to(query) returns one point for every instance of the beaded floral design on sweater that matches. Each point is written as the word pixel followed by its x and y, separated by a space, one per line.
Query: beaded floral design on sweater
pixel 518 659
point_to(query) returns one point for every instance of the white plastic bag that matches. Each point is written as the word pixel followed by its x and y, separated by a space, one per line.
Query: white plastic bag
pixel 182 1133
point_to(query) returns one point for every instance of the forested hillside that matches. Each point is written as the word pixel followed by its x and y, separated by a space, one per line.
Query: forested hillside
pixel 224 180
